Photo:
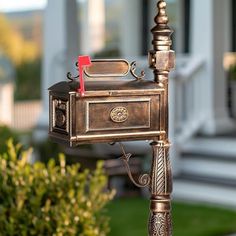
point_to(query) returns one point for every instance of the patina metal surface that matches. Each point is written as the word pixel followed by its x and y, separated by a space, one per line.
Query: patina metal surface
pixel 133 71
pixel 161 61
pixel 116 109
pixel 143 180
pixel 107 68
pixel 160 189
pixel 110 111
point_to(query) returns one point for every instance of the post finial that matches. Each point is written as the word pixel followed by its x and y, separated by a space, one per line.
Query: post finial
pixel 161 58
pixel 161 17
pixel 161 31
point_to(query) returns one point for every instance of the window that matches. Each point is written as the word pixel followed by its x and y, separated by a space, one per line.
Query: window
pixel 122 28
pixel 179 17
pixel 186 23
pixel 233 25
pixel 105 23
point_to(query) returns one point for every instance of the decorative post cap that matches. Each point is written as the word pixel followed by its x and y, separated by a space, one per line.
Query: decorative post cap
pixel 161 31
pixel 161 58
pixel 161 17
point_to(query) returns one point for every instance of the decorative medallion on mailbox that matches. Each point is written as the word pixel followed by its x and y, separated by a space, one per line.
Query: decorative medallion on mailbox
pixel 119 114
pixel 60 111
pixel 60 118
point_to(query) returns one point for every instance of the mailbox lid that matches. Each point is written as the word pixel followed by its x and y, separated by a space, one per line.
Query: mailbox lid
pixel 115 87
pixel 119 84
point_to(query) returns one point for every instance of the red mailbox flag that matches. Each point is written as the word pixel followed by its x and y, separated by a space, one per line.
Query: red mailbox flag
pixel 82 62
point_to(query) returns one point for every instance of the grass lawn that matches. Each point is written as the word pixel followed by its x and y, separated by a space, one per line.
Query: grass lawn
pixel 129 218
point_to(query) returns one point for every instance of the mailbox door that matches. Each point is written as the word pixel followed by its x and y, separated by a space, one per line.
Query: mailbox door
pixel 108 119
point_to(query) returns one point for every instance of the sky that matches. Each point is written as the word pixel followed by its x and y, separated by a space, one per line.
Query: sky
pixel 19 5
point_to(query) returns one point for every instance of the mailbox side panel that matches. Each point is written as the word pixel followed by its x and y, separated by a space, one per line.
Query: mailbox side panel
pixel 59 117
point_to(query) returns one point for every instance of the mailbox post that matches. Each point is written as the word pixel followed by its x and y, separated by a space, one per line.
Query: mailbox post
pixel 161 61
pixel 113 108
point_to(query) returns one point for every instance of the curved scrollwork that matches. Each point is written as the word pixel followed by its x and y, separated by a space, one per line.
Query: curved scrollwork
pixel 133 69
pixel 144 180
pixel 70 76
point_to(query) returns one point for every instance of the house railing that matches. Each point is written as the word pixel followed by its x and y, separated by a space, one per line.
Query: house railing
pixel 26 115
pixel 186 101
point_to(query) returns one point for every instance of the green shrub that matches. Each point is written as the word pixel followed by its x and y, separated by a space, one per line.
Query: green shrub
pixel 50 200
pixel 232 72
pixel 5 134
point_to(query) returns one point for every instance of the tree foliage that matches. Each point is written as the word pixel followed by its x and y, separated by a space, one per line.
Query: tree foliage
pixel 28 82
pixel 25 54
pixel 14 45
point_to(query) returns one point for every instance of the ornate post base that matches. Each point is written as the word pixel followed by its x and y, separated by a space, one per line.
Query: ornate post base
pixel 160 218
pixel 160 223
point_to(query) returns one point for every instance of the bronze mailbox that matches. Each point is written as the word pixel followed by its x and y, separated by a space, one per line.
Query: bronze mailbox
pixel 112 109
pixel 117 108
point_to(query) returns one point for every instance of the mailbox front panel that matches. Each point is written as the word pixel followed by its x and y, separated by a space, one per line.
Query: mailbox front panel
pixel 118 115
pixel 108 119
pixel 96 118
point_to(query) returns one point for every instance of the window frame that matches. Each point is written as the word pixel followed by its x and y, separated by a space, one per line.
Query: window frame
pixel 186 23
pixel 233 26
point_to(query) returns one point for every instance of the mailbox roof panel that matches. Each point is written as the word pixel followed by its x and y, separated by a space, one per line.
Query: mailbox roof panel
pixel 99 87
pixel 64 87
pixel 120 85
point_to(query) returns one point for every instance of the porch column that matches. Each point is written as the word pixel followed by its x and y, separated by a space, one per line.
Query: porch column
pixel 210 37
pixel 7 103
pixel 93 28
pixel 131 24
pixel 59 52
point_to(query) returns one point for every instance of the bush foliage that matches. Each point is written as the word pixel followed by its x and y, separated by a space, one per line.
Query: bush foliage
pixel 5 134
pixel 39 199
pixel 232 72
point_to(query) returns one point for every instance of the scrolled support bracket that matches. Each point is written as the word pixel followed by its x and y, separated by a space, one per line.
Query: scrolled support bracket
pixel 144 180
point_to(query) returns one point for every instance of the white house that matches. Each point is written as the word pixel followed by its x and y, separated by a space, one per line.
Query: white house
pixel 204 147
pixel 7 77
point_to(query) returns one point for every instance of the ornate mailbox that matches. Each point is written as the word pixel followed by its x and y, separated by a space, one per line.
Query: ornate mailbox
pixel 117 108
